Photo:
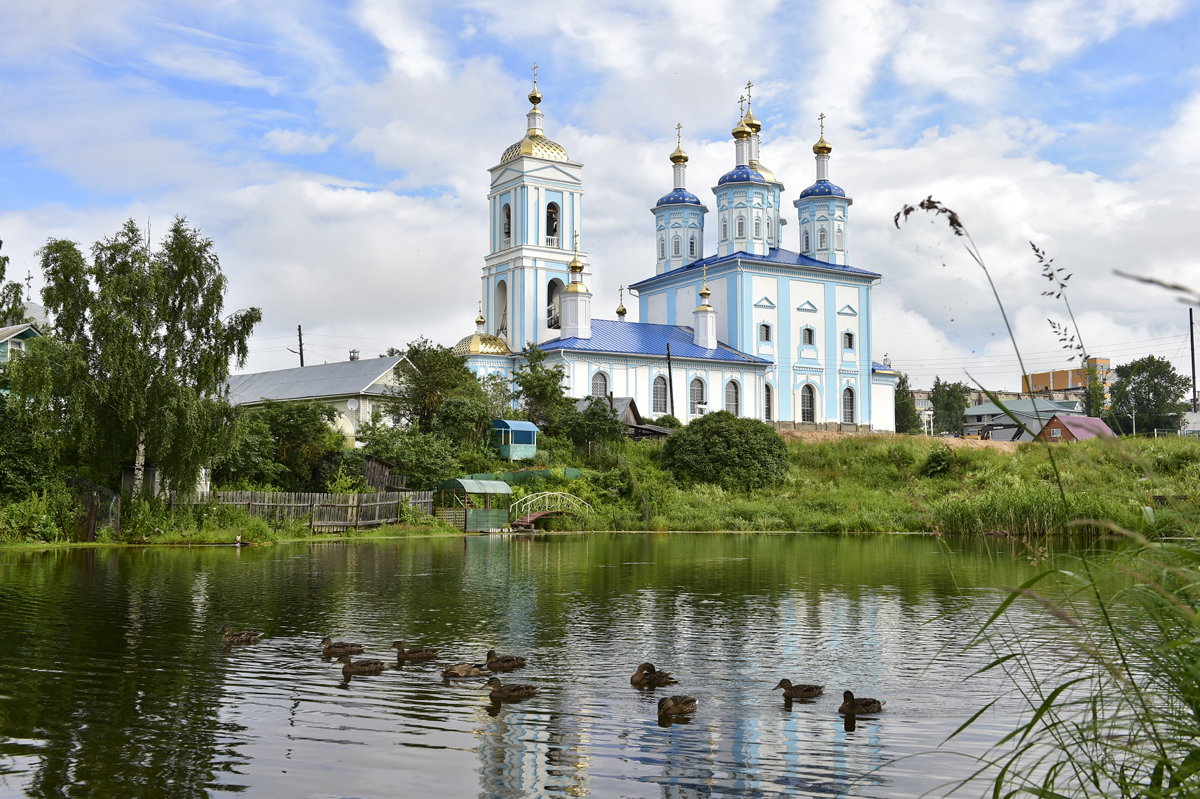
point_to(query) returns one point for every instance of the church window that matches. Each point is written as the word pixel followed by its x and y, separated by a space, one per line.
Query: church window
pixel 821 242
pixel 662 249
pixel 552 215
pixel 840 243
pixel 847 341
pixel 741 227
pixel 506 223
pixel 848 406
pixel 501 313
pixel 768 227
pixel 677 247
pixel 764 332
pixel 724 229
pixel 660 394
pixel 692 247
pixel 767 402
pixel 807 246
pixel 808 404
pixel 554 304
pixel 731 398
pixel 696 396
pixel 758 228
pixel 599 385
pixel 806 336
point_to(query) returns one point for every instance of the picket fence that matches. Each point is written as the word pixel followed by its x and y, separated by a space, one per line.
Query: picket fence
pixel 327 512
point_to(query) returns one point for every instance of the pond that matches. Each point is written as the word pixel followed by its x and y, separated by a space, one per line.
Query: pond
pixel 114 682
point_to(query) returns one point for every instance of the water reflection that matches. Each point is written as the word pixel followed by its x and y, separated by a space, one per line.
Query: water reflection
pixel 114 680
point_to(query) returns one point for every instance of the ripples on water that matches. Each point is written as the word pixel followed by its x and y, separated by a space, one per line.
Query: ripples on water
pixel 113 681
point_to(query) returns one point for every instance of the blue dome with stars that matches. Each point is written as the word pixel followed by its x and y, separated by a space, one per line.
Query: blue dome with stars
pixel 741 174
pixel 823 188
pixel 678 196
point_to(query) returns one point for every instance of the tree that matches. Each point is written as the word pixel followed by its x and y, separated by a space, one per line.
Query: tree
pixel 288 445
pixel 135 365
pixel 907 418
pixel 464 421
pixel 1149 392
pixel 540 390
pixel 426 460
pixel 1094 403
pixel 731 452
pixel 429 375
pixel 597 422
pixel 949 402
pixel 12 309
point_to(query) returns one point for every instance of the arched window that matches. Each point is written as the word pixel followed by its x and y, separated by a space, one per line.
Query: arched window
pixel 806 336
pixel 764 332
pixel 731 398
pixel 848 406
pixel 848 341
pixel 696 396
pixel 501 313
pixel 724 229
pixel 599 385
pixel 660 394
pixel 808 404
pixel 757 228
pixel 506 225
pixel 839 239
pixel 692 247
pixel 821 243
pixel 741 227
pixel 807 245
pixel 677 247
pixel 552 215
pixel 768 227
pixel 554 291
pixel 662 248
pixel 767 402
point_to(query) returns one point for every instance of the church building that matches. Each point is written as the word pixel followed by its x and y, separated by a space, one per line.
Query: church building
pixel 752 329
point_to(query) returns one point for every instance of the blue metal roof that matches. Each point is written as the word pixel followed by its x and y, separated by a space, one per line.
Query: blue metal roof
pixel 678 196
pixel 823 188
pixel 741 174
pixel 636 338
pixel 514 424
pixel 775 256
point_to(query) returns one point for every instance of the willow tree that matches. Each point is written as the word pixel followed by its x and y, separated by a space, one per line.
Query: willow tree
pixel 12 310
pixel 136 361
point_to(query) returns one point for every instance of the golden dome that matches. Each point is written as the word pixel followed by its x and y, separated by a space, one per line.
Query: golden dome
pixel 741 131
pixel 751 122
pixel 536 145
pixel 822 147
pixel 535 96
pixel 481 344
pixel 576 288
pixel 679 156
pixel 621 309
pixel 767 174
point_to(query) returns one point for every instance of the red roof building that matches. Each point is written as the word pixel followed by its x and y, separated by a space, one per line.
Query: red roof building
pixel 1074 428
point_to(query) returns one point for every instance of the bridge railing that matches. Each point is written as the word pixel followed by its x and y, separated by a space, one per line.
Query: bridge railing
pixel 548 501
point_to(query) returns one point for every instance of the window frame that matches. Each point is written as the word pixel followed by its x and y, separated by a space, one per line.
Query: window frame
pixel 807 241
pixel 677 247
pixel 602 375
pixel 764 333
pixel 822 239
pixel 692 248
pixel 839 239
pixel 659 382
pixel 741 227
pixel 737 397
pixel 757 227
pixel 848 340
pixel 693 402
pixel 767 402
pixel 724 230
pixel 849 394
pixel 808 403
pixel 808 336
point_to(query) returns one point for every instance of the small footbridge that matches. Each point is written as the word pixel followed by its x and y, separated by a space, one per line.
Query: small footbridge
pixel 524 512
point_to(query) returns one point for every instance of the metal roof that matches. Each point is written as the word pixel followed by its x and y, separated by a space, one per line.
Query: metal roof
pixel 639 338
pixel 512 424
pixel 1085 427
pixel 478 486
pixel 1022 406
pixel 775 256
pixel 15 330
pixel 340 379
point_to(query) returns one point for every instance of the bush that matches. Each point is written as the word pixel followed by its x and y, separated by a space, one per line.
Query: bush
pixel 668 421
pixel 734 453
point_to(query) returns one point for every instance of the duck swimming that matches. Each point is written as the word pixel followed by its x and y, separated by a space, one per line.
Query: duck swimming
pixel 413 654
pixel 229 637
pixel 359 666
pixel 504 662
pixel 852 705
pixel 500 691
pixel 465 670
pixel 330 648
pixel 647 676
pixel 677 705
pixel 799 691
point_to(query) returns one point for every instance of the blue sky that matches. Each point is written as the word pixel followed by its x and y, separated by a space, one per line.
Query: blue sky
pixel 337 153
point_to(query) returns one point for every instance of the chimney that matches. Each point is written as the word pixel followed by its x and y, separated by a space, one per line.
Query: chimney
pixel 705 326
pixel 354 355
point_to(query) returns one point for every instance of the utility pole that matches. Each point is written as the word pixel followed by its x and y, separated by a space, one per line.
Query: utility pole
pixel 1192 337
pixel 300 336
pixel 670 382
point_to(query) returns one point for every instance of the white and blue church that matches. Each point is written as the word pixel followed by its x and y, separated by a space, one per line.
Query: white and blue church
pixel 752 329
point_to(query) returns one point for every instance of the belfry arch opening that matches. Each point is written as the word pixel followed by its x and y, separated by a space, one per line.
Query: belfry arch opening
pixel 554 290
pixel 506 226
pixel 501 312
pixel 553 239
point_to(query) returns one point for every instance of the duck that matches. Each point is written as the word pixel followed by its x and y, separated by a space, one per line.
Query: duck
pixel 413 654
pixel 677 705
pixel 229 637
pixel 799 691
pixel 465 670
pixel 359 666
pixel 499 691
pixel 852 705
pixel 331 648
pixel 648 676
pixel 502 662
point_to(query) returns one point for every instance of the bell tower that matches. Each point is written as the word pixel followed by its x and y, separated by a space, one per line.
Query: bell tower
pixel 824 209
pixel 678 218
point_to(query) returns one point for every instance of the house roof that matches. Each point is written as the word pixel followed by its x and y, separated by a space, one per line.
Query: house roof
pixel 13 331
pixel 515 424
pixel 478 486
pixel 1025 407
pixel 338 379
pixel 775 256
pixel 638 338
pixel 1084 427
pixel 624 407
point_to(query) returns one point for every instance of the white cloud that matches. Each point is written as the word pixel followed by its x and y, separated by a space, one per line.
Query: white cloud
pixel 290 142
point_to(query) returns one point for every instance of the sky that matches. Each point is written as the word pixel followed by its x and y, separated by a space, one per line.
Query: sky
pixel 337 153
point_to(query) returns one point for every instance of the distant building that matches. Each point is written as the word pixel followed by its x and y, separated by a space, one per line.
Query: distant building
pixel 990 420
pixel 13 338
pixel 1067 380
pixel 1074 428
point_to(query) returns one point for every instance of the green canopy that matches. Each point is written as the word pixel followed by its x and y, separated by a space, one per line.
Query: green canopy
pixel 477 486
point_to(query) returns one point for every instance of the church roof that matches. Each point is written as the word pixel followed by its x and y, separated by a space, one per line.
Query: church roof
pixel 823 188
pixel 678 196
pixel 636 338
pixel 775 256
pixel 741 174
pixel 536 145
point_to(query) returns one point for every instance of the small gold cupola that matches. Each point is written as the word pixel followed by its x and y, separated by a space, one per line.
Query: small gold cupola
pixel 535 142
pixel 621 306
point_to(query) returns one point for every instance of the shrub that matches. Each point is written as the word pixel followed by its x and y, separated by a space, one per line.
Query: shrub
pixel 731 452
pixel 668 421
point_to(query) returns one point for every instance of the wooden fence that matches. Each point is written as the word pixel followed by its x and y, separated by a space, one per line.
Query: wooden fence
pixel 328 512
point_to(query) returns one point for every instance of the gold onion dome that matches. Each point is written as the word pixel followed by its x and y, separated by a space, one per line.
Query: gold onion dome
pixel 479 320
pixel 704 295
pixel 822 147
pixel 679 156
pixel 481 344
pixel 741 131
pixel 535 96
pixel 621 309
pixel 751 122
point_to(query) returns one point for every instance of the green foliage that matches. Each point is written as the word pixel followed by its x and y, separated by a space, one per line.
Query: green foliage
pixel 425 459
pixel 12 308
pixel 1149 390
pixel 47 515
pixel 731 452
pixel 939 462
pixel 25 465
pixel 464 420
pixel 949 402
pixel 499 396
pixel 597 422
pixel 288 445
pixel 540 390
pixel 907 418
pixel 348 482
pixel 429 376
pixel 1094 403
pixel 667 420
pixel 136 362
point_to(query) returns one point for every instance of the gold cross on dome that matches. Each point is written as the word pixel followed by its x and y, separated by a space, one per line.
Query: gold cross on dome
pixel 577 241
pixel 821 119
pixel 704 271
pixel 678 134
pixel 535 73
pixel 741 100
pixel 622 290
pixel 749 86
